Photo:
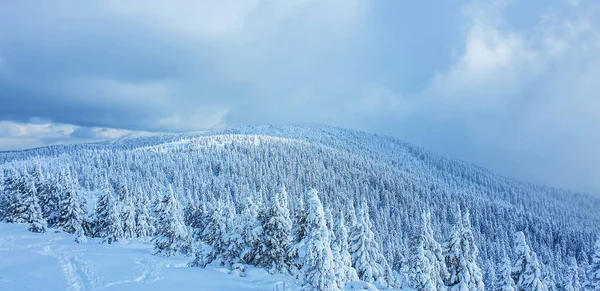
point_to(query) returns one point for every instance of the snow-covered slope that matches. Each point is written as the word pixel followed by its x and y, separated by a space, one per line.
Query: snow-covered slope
pixel 397 181
pixel 53 261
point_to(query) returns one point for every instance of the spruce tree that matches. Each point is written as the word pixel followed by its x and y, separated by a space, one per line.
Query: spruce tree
pixel 526 271
pixel 366 253
pixel 573 283
pixel 107 221
pixel 317 260
pixel 461 257
pixel 71 213
pixel 36 222
pixel 503 280
pixel 172 236
pixel 143 220
pixel 419 269
pixel 275 240
pixel 345 272
pixel 128 218
pixel 595 266
pixel 433 251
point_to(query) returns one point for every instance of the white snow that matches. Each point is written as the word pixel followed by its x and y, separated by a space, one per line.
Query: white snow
pixel 53 261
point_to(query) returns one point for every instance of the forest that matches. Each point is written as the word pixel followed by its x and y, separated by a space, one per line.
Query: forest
pixel 327 206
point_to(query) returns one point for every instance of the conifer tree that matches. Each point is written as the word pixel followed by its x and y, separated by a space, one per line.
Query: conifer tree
pixel 275 239
pixel 172 236
pixel 433 251
pixel 595 267
pixel 345 272
pixel 366 254
pixel 128 218
pixel 71 213
pixel 36 222
pixel 107 221
pixel 143 220
pixel 317 259
pixel 503 280
pixel 251 231
pixel 526 271
pixel 418 273
pixel 461 257
pixel 573 283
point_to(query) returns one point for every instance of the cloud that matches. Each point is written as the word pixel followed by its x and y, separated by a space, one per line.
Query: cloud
pixel 32 134
pixel 509 85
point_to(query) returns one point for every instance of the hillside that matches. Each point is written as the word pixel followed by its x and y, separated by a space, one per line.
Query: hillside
pixel 393 181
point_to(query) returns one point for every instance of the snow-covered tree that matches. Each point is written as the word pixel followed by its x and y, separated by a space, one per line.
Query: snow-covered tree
pixel 344 270
pixel 172 237
pixel 503 280
pixel 366 253
pixel 71 212
pixel 419 270
pixel 461 257
pixel 143 220
pixel 107 219
pixel 36 222
pixel 80 236
pixel 128 217
pixel 526 270
pixel 251 231
pixel 275 240
pixel 573 283
pixel 595 266
pixel 433 252
pixel 316 257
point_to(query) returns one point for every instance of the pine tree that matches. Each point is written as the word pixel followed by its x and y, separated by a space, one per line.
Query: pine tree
pixel 503 280
pixel 71 213
pixel 17 188
pixel 275 241
pixel 107 221
pixel 419 269
pixel 595 267
pixel 80 236
pixel 573 283
pixel 433 252
pixel 36 222
pixel 172 236
pixel 251 231
pixel 216 232
pixel 461 257
pixel 526 271
pixel 143 220
pixel 128 218
pixel 366 253
pixel 345 272
pixel 316 257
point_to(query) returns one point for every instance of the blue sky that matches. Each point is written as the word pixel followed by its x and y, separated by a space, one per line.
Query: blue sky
pixel 509 85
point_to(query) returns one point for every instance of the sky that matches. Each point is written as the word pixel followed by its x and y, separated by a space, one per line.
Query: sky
pixel 512 86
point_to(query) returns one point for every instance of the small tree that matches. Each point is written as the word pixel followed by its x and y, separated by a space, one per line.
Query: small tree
pixel 316 257
pixel 275 240
pixel 503 280
pixel 573 283
pixel 595 266
pixel 71 213
pixel 418 274
pixel 107 221
pixel 172 236
pixel 461 257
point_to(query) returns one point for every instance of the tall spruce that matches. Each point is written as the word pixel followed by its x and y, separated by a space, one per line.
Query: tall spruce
pixel 318 266
pixel 461 257
pixel 172 237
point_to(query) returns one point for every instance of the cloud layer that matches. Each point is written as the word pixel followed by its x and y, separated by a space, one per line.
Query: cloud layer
pixel 508 85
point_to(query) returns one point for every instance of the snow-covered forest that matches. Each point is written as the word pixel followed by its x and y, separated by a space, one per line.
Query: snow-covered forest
pixel 324 205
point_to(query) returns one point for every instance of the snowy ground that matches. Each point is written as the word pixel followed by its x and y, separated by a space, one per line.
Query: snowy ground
pixel 53 261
